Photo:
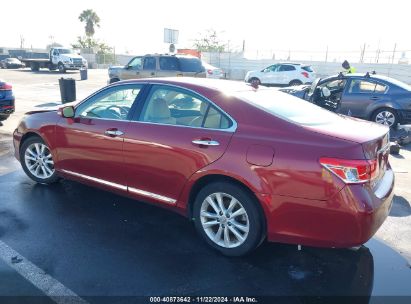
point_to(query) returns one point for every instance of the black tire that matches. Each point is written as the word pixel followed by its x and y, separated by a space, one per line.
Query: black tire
pixel 4 116
pixel 52 68
pixel 35 67
pixel 255 81
pixel 26 144
pixel 295 82
pixel 61 68
pixel 113 80
pixel 385 116
pixel 253 212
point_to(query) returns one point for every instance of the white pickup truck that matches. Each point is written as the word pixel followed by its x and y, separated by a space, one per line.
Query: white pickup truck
pixel 60 58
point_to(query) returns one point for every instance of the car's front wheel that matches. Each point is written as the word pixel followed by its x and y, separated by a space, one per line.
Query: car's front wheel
pixel 228 218
pixel 385 116
pixel 255 81
pixel 37 161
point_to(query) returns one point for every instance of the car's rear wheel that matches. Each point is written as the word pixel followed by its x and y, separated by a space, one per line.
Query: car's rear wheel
pixel 37 161
pixel 295 83
pixel 228 218
pixel 4 116
pixel 385 116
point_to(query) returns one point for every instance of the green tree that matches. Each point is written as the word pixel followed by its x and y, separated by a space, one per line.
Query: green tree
pixel 209 42
pixel 91 19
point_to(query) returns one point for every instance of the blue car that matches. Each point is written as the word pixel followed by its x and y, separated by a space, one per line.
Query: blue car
pixel 6 100
pixel 368 96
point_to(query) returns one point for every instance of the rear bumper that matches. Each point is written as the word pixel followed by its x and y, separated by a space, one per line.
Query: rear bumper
pixel 349 219
pixel 7 104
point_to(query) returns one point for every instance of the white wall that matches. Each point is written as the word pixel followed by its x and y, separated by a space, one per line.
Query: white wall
pixel 236 66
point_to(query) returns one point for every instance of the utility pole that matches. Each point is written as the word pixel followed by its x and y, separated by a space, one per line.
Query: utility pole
pixel 326 54
pixel 362 54
pixel 21 41
pixel 393 52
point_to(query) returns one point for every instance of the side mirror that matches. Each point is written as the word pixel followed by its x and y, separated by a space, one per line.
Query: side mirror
pixel 126 67
pixel 67 112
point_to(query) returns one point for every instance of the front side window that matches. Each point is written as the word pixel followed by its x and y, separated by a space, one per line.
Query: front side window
pixel 364 86
pixel 113 103
pixel 149 63
pixel 272 68
pixel 174 106
pixel 135 63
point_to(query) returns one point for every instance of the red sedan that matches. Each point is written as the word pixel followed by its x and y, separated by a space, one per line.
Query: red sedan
pixel 244 164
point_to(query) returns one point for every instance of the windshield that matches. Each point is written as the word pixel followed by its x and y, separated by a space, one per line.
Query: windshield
pixel 288 107
pixel 66 51
pixel 188 64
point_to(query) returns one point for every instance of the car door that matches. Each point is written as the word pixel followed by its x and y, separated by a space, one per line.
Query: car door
pixel 90 145
pixel 286 73
pixel 176 133
pixel 270 74
pixel 359 95
pixel 133 69
pixel 149 67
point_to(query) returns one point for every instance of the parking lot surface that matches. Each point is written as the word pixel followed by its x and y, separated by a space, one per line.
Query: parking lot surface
pixel 97 244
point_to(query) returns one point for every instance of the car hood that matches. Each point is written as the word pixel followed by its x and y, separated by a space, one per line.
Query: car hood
pixel 51 108
pixel 116 67
pixel 74 56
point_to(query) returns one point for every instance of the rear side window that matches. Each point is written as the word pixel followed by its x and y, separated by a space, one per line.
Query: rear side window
pixel 169 63
pixel 188 64
pixel 149 63
pixel 288 107
pixel 364 86
pixel 287 68
pixel 307 68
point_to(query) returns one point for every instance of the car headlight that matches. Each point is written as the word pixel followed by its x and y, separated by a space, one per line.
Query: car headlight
pixel 66 61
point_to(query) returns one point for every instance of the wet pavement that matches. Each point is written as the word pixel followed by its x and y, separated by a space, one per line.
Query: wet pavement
pixel 100 244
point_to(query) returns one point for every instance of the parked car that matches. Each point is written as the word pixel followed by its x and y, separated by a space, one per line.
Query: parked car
pixel 282 74
pixel 6 100
pixel 368 96
pixel 245 164
pixel 158 65
pixel 11 63
pixel 212 71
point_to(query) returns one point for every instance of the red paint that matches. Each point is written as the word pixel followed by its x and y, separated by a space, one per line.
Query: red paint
pixel 278 161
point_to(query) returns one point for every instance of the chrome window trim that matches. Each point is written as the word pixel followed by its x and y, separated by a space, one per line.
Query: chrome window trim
pixel 97 180
pixel 152 195
pixel 231 129
pixel 123 187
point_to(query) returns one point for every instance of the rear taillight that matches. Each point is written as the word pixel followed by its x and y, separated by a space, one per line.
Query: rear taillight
pixel 5 86
pixel 352 171
pixel 305 74
pixel 210 72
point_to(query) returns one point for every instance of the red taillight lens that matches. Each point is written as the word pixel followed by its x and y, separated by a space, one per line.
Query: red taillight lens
pixel 5 86
pixel 305 74
pixel 210 72
pixel 352 171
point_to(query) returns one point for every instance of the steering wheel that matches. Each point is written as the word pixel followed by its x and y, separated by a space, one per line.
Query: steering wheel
pixel 123 110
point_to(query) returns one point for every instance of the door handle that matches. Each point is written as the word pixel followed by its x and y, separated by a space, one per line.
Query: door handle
pixel 205 142
pixel 152 73
pixel 113 133
pixel 374 98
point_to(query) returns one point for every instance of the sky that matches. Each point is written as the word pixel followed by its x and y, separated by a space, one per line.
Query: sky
pixel 137 26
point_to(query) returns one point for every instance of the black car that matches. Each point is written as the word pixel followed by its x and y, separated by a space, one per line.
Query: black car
pixel 367 96
pixel 6 100
pixel 11 63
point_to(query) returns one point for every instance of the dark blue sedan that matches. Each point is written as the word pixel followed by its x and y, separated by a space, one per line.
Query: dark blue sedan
pixel 368 96
pixel 6 100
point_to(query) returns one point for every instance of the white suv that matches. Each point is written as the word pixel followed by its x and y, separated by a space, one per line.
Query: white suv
pixel 282 74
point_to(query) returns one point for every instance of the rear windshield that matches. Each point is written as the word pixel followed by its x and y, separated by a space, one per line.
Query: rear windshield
pixel 288 107
pixel 307 68
pixel 191 65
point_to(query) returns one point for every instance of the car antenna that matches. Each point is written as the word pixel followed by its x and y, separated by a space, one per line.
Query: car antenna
pixel 374 72
pixel 367 75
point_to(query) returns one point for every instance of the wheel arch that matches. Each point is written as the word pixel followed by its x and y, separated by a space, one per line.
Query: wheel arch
pixel 218 177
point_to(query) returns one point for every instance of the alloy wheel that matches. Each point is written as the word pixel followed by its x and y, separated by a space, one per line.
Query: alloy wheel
pixel 39 161
pixel 385 118
pixel 224 220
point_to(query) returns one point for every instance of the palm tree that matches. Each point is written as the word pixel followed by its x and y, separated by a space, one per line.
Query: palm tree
pixel 91 19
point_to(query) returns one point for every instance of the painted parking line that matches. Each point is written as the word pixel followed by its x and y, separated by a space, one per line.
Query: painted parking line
pixel 36 276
